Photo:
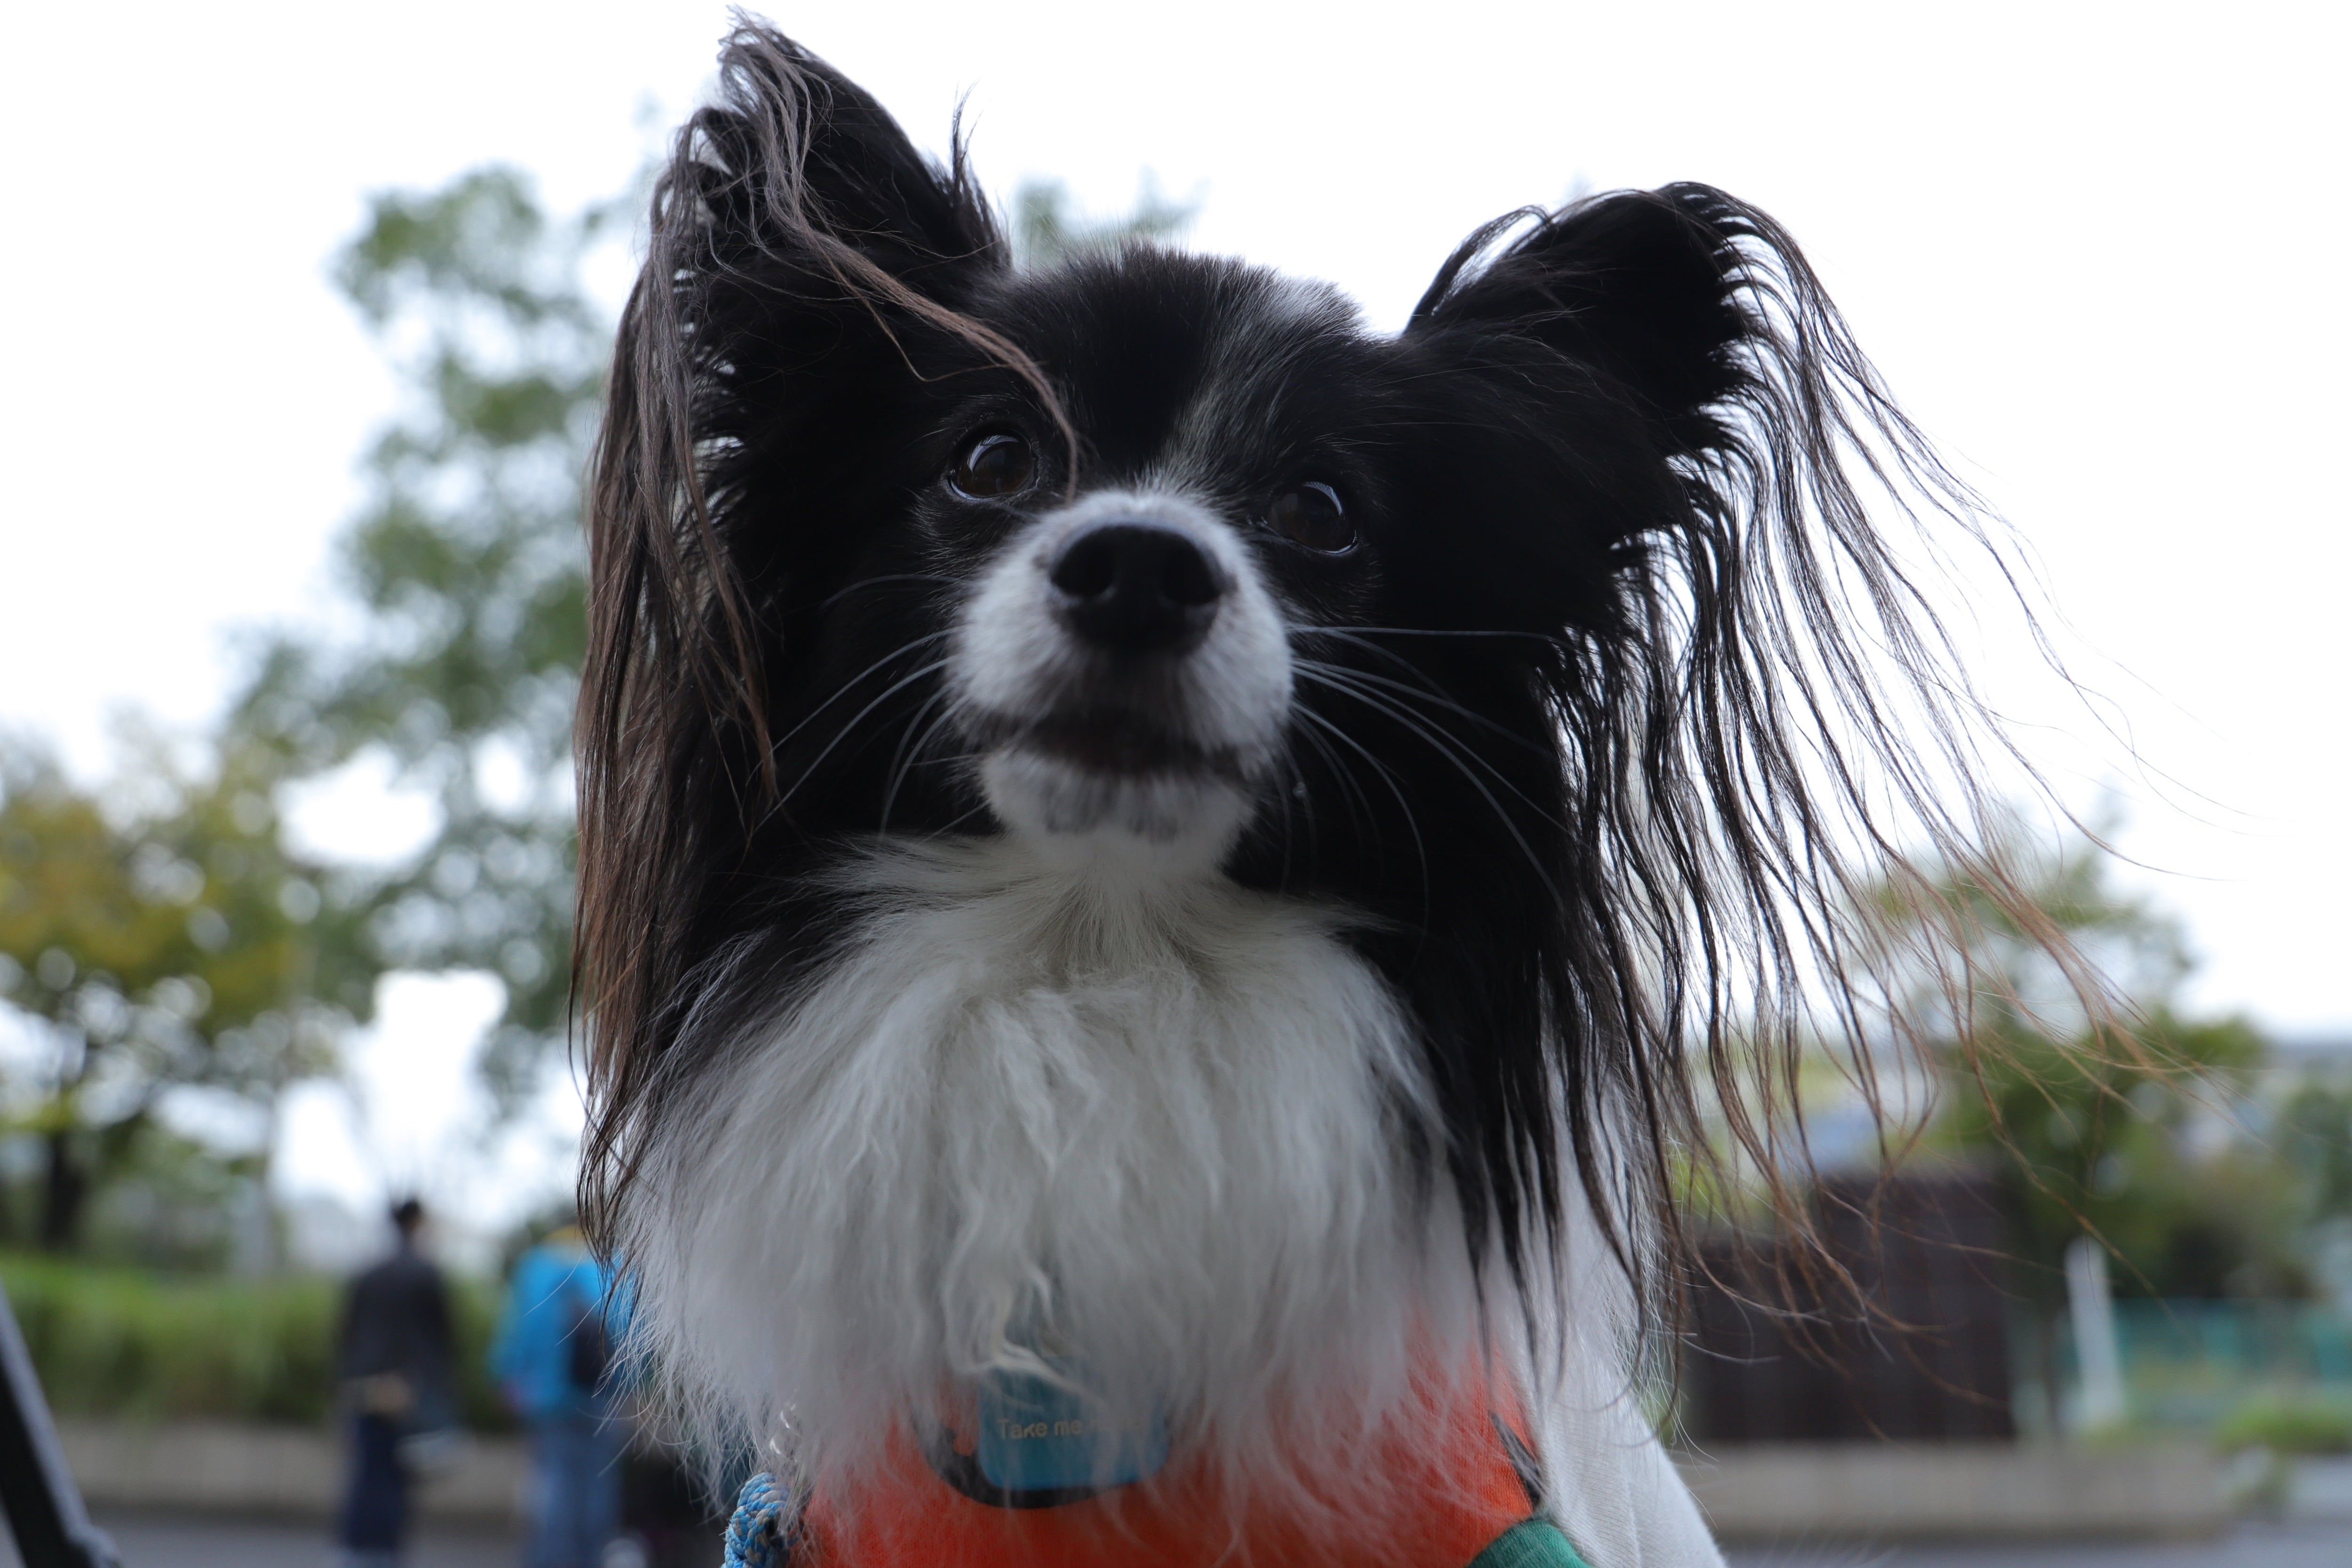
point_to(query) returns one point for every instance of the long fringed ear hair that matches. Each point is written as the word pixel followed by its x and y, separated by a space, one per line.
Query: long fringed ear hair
pixel 1765 725
pixel 794 234
pixel 1768 734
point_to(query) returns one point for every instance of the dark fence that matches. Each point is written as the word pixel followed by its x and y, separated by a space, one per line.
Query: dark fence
pixel 1911 1341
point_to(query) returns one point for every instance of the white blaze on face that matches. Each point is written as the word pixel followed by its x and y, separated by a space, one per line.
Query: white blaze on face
pixel 1215 709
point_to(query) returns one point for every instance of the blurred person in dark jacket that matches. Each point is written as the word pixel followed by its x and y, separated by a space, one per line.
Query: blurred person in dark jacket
pixel 553 1359
pixel 396 1359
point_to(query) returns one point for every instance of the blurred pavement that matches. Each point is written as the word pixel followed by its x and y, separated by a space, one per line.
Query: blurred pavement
pixel 166 1540
pixel 2297 1546
pixel 161 1541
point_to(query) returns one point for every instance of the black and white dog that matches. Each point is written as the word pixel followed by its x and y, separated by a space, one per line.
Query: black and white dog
pixel 1153 856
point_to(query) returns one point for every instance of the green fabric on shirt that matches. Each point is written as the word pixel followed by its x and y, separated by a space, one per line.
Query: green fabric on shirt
pixel 1533 1544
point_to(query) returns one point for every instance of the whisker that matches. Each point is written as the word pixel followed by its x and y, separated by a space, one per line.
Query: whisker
pixel 1451 755
pixel 1307 798
pixel 1388 776
pixel 846 687
pixel 903 761
pixel 834 598
pixel 1293 789
pixel 923 746
pixel 960 818
pixel 1428 692
pixel 843 733
pixel 1554 638
pixel 1338 680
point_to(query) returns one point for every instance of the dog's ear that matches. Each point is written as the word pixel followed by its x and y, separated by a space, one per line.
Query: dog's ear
pixel 1639 286
pixel 808 279
pixel 796 164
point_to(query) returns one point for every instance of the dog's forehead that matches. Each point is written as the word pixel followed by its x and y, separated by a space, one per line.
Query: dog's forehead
pixel 1177 368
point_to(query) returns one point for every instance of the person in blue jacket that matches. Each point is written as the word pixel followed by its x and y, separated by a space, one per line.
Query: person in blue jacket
pixel 553 1358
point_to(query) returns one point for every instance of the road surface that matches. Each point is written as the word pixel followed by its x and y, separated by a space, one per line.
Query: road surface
pixel 156 1541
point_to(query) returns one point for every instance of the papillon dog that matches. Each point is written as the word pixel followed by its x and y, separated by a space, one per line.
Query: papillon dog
pixel 1172 886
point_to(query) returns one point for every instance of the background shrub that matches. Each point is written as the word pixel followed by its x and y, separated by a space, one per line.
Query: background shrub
pixel 2289 1425
pixel 119 1342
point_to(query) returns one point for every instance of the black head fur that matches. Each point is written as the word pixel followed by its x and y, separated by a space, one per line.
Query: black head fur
pixel 1597 727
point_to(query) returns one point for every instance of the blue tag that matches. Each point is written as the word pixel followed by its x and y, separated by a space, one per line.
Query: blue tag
pixel 1039 1434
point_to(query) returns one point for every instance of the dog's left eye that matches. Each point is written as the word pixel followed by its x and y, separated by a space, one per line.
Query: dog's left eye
pixel 994 466
pixel 1311 516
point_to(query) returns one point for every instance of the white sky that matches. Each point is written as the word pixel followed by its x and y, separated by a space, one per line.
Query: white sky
pixel 2095 248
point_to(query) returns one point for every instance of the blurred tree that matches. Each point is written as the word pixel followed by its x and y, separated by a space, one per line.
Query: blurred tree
pixel 169 942
pixel 468 563
pixel 181 1204
pixel 2127 1128
pixel 2315 1129
pixel 1049 227
pixel 2139 1153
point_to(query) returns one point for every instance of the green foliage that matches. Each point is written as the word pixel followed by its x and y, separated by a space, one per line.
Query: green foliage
pixel 2286 1424
pixel 2123 1126
pixel 167 942
pixel 176 1203
pixel 190 914
pixel 125 1343
pixel 1047 227
pixel 1997 922
pixel 468 559
pixel 2315 1134
pixel 2102 1136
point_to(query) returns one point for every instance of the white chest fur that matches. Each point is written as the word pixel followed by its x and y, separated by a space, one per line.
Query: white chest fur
pixel 1155 1128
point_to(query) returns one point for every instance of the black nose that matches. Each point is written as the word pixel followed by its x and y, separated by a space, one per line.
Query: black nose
pixel 1137 587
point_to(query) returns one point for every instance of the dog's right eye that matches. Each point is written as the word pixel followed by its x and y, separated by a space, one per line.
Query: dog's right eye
pixel 991 468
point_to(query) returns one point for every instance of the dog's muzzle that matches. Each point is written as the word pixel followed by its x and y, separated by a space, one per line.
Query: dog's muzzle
pixel 1124 675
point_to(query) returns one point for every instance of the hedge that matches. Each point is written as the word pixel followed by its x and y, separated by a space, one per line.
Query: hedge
pixel 124 1343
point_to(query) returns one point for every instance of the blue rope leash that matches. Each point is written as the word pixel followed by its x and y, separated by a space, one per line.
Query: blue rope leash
pixel 760 1534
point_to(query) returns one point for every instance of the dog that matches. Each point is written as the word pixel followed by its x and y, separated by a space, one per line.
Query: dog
pixel 1167 881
